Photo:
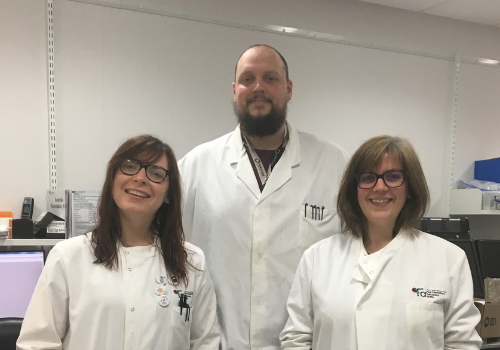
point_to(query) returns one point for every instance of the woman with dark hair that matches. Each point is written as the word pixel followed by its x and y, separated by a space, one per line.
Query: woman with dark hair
pixel 382 283
pixel 133 282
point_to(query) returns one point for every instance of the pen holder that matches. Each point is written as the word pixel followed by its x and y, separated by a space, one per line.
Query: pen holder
pixel 22 229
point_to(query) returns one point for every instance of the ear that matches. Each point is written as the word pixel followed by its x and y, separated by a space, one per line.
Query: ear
pixel 166 200
pixel 289 88
pixel 234 91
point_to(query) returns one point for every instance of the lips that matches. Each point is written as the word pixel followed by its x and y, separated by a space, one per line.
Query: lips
pixel 137 193
pixel 259 99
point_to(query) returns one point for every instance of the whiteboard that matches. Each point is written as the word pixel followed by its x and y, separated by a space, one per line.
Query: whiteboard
pixel 120 73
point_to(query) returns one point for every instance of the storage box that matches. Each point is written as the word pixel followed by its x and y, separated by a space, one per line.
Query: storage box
pixel 489 326
pixel 487 170
pixel 491 200
pixel 6 220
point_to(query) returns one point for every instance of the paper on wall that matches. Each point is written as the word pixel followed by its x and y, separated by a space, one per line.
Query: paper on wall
pixel 83 211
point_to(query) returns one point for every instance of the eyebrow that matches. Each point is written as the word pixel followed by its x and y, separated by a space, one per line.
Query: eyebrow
pixel 272 72
pixel 393 169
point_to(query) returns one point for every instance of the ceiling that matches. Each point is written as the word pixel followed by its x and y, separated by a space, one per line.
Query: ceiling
pixel 478 11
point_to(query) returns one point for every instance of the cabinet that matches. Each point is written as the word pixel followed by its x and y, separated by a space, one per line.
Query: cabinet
pixel 484 224
pixel 28 242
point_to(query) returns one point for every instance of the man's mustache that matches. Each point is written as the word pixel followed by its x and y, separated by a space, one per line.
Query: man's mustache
pixel 259 97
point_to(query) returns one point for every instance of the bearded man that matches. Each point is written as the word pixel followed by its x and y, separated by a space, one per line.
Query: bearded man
pixel 256 198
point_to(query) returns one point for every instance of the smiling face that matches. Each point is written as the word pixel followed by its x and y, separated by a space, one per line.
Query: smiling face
pixel 137 196
pixel 381 205
pixel 261 91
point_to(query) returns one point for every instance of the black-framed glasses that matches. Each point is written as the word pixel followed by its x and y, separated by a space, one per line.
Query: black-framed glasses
pixel 391 178
pixel 154 173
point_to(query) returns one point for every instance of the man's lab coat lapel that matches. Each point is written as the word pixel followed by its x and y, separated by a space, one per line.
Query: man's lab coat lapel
pixel 281 173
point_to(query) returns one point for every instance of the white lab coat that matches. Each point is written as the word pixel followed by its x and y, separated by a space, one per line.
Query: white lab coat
pixel 253 241
pixel 342 298
pixel 79 305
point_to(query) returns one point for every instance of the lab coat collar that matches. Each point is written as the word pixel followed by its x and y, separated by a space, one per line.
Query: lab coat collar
pixel 282 172
pixel 140 251
pixel 367 270
pixel 234 147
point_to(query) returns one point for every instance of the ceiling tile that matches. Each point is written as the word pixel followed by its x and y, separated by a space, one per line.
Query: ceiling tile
pixel 411 5
pixel 479 11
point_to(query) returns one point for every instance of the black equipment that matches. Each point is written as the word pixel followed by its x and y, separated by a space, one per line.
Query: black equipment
pixel 477 277
pixel 446 228
pixel 489 257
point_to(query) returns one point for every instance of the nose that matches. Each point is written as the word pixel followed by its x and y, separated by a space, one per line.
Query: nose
pixel 258 86
pixel 141 176
pixel 380 185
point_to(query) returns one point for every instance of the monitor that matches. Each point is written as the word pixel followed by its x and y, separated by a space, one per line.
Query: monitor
pixel 477 277
pixel 19 273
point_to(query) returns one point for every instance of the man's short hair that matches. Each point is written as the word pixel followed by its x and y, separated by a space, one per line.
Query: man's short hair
pixel 285 65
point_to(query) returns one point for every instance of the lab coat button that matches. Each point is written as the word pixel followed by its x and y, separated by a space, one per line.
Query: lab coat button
pixel 260 255
pixel 360 308
pixel 126 252
pixel 129 269
pixel 132 309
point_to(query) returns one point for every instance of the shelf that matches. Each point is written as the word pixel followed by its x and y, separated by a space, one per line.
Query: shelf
pixel 28 242
pixel 468 202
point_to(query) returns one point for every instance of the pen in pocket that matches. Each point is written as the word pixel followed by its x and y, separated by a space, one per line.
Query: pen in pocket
pixel 317 212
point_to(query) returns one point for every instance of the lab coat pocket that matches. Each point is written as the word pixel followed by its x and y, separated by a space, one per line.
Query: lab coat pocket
pixel 425 325
pixel 314 228
pixel 181 328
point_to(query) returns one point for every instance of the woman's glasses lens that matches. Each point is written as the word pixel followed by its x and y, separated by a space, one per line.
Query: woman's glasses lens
pixel 129 167
pixel 394 178
pixel 155 173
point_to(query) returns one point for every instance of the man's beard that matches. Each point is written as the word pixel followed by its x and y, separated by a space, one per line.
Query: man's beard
pixel 264 125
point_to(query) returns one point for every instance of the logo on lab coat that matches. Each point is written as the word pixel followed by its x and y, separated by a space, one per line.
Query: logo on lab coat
pixel 428 293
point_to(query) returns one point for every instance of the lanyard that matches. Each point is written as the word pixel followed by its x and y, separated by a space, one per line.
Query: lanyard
pixel 263 173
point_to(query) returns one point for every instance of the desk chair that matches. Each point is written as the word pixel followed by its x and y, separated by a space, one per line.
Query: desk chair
pixel 9 332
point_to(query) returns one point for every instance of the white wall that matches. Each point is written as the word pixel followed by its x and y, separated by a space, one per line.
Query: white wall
pixel 122 72
pixel 24 170
pixel 351 19
pixel 79 109
pixel 478 122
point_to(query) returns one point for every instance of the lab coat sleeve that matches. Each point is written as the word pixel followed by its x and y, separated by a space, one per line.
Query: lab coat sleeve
pixel 204 326
pixel 298 331
pixel 461 315
pixel 46 319
pixel 189 194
